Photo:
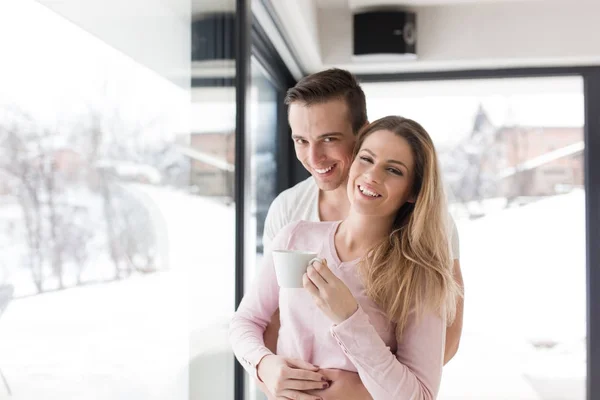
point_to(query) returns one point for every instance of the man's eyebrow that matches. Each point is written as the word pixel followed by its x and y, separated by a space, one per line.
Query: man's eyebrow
pixel 322 136
pixel 329 134
pixel 390 161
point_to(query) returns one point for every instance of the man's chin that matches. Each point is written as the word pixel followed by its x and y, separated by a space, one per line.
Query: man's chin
pixel 327 186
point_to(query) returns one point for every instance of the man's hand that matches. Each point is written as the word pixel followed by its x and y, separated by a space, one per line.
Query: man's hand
pixel 330 294
pixel 288 378
pixel 345 385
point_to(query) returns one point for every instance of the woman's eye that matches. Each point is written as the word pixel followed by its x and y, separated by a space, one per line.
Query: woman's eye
pixel 395 171
pixel 367 159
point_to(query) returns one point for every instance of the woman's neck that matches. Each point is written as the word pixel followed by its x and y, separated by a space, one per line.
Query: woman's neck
pixel 358 233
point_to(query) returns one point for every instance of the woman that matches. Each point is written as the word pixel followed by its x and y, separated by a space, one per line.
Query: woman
pixel 379 303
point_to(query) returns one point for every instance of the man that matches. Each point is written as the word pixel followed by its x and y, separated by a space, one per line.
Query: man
pixel 326 111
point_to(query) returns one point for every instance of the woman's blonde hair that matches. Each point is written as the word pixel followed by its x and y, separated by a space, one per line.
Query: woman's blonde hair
pixel 411 271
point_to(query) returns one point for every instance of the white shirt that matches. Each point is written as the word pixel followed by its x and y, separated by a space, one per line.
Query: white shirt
pixel 301 203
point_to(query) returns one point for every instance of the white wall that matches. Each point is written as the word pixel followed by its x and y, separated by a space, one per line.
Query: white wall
pixel 489 35
pixel 155 33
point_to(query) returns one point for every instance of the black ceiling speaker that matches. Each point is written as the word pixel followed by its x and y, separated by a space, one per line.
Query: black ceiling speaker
pixel 385 33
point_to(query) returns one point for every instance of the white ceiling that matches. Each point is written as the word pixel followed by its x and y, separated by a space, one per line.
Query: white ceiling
pixel 451 34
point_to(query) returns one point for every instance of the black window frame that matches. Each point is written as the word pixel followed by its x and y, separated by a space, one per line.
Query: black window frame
pixel 252 41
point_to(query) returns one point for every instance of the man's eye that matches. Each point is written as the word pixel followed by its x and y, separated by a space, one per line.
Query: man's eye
pixel 328 139
pixel 300 141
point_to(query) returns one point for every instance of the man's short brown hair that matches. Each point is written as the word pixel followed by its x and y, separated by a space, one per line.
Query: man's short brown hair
pixel 332 84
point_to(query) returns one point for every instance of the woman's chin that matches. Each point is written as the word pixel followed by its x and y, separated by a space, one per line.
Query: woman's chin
pixel 363 211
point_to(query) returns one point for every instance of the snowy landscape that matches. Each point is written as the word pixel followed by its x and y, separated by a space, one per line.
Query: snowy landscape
pixel 524 327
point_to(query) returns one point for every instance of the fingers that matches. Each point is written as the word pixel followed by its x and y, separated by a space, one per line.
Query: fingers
pixel 324 271
pixel 302 374
pixel 304 385
pixel 308 285
pixel 316 278
pixel 294 362
pixel 296 395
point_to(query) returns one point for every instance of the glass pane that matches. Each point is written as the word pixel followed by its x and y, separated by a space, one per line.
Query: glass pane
pixel 211 226
pixel 263 172
pixel 263 111
pixel 95 202
pixel 512 155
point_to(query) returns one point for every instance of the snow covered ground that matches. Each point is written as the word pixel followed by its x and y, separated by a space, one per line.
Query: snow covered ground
pixel 133 339
pixel 121 340
pixel 524 270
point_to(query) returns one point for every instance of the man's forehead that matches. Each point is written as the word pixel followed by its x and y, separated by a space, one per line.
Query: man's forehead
pixel 332 110
pixel 314 120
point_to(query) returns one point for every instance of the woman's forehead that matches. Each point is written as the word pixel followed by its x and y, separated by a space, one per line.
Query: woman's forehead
pixel 387 143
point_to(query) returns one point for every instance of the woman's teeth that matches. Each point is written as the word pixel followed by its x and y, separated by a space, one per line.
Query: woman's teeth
pixel 367 192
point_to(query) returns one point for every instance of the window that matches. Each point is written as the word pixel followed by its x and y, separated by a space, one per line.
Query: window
pixel 522 231
pixel 95 211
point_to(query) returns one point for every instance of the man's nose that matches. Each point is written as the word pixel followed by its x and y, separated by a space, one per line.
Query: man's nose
pixel 316 153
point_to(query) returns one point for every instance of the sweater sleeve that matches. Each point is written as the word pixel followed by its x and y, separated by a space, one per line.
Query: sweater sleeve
pixel 254 313
pixel 413 373
pixel 454 239
pixel 277 218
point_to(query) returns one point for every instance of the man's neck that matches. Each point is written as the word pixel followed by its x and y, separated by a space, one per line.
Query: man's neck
pixel 333 204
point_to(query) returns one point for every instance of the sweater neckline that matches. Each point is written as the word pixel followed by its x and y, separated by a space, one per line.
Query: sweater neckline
pixel 333 251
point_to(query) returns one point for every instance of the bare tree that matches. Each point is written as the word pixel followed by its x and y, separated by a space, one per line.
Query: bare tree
pixel 115 141
pixel 17 162
pixel 471 165
pixel 30 159
pixel 516 140
pixel 57 230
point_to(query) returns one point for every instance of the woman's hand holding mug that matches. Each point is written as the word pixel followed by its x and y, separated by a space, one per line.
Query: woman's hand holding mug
pixel 330 293
pixel 287 378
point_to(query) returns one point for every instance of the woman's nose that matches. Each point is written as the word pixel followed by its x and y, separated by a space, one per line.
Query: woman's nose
pixel 372 175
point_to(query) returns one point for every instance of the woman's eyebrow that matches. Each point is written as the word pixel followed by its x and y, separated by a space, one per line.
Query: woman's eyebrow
pixel 390 161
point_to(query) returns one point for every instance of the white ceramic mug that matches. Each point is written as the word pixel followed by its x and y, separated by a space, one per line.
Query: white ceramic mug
pixel 291 265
